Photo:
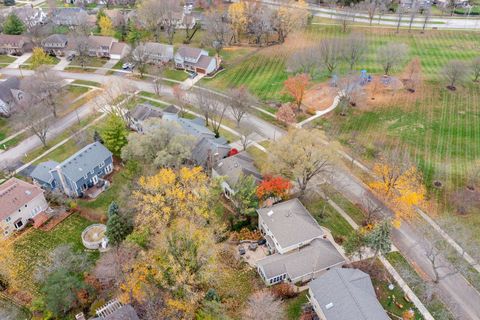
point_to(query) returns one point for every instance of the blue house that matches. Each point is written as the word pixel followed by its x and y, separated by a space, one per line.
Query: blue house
pixel 81 171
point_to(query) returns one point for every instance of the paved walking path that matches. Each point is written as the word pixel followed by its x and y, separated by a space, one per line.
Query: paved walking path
pixel 20 60
pixel 318 114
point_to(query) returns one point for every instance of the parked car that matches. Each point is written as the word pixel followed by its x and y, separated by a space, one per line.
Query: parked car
pixel 241 251
pixel 192 75
pixel 128 66
pixel 261 242
pixel 253 246
pixel 71 57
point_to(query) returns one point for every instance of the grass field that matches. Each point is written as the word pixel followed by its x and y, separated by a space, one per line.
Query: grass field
pixel 33 246
pixel 4 59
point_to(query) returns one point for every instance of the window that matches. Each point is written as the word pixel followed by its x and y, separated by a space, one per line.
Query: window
pixel 101 165
pixel 85 176
pixel 8 219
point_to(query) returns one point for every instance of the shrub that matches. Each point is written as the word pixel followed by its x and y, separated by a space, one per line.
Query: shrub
pixel 284 291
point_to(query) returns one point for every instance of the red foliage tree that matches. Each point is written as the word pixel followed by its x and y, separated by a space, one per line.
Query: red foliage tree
pixel 285 114
pixel 273 187
pixel 296 87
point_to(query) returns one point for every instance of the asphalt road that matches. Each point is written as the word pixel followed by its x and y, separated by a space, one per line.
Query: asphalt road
pixel 462 299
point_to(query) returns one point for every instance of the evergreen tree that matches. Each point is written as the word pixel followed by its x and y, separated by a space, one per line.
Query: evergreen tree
pixel 117 229
pixel 97 137
pixel 112 209
pixel 13 25
pixel 114 134
pixel 380 239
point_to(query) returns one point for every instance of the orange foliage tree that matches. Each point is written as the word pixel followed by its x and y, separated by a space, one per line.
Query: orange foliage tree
pixel 296 86
pixel 274 187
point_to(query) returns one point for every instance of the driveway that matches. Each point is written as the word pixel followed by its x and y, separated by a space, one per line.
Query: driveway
pixel 20 60
pixel 61 65
pixel 108 65
pixel 188 83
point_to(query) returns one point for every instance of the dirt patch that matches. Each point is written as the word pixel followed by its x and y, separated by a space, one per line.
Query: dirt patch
pixel 319 97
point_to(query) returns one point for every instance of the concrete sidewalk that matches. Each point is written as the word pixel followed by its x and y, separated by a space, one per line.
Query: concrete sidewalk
pixel 20 60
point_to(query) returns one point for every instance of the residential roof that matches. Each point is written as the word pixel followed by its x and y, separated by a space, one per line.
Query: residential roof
pixel 145 111
pixel 321 254
pixel 12 40
pixel 42 171
pixel 204 62
pixel 189 52
pixel 100 41
pixel 171 109
pixel 195 127
pixel 6 88
pixel 14 194
pixel 237 165
pixel 347 294
pixel 84 161
pixel 55 39
pixel 290 222
pixel 206 147
pixel 161 49
pixel 118 48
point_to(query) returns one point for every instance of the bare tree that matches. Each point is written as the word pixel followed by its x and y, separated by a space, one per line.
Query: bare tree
pixel 150 14
pixel 413 75
pixel 141 56
pixel 213 108
pixel 46 86
pixel 401 11
pixel 354 48
pixel 371 7
pixel 169 13
pixel 350 90
pixel 427 12
pixel 246 132
pixel 181 95
pixel 81 46
pixel 391 56
pixel 454 71
pixel 218 31
pixel 475 65
pixel 372 210
pixel 330 51
pixel 108 102
pixel 347 16
pixel 259 24
pixel 305 61
pixel 240 102
pixel 288 18
pixel 34 115
pixel 263 306
pixel 157 72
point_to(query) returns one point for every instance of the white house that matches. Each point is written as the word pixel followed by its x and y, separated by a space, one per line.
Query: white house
pixel 19 202
pixel 155 52
pixel 195 59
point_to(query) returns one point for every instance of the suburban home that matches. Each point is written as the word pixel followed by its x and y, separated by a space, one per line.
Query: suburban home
pixel 10 93
pixel 157 53
pixel 300 248
pixel 345 294
pixel 196 60
pixel 208 151
pixel 19 202
pixel 106 47
pixel 77 174
pixel 184 19
pixel 55 44
pixel 14 44
pixel 232 169
pixel 70 17
pixel 31 16
pixel 141 113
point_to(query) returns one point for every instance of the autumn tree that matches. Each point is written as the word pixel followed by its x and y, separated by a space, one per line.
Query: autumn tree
pixel 114 134
pixel 259 25
pixel 300 155
pixel 40 57
pixel 238 19
pixel 391 56
pixel 162 143
pixel 218 31
pixel 170 194
pixel 240 100
pixel 296 86
pixel 399 181
pixel 106 26
pixel 275 187
pixel 454 71
pixel 286 114
pixel 289 17
pixel 9 274
pixel 263 305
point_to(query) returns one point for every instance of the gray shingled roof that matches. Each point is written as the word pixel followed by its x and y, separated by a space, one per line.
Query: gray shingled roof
pixel 145 111
pixel 189 52
pixel 349 294
pixel 319 255
pixel 42 171
pixel 237 165
pixel 55 39
pixel 290 222
pixel 204 62
pixel 210 146
pixel 194 128
pixel 84 160
pixel 6 88
pixel 161 49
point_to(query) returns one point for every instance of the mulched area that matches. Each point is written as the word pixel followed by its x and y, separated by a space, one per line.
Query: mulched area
pixel 55 220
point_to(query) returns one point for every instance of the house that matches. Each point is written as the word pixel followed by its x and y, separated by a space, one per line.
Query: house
pixel 300 248
pixel 75 175
pixel 106 47
pixel 208 151
pixel 55 44
pixel 157 53
pixel 345 294
pixel 184 19
pixel 233 168
pixel 196 60
pixel 19 202
pixel 9 94
pixel 141 113
pixel 70 17
pixel 30 16
pixel 14 44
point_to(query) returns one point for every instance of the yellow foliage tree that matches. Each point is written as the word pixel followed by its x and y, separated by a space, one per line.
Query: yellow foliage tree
pixel 106 26
pixel 169 194
pixel 400 183
pixel 40 57
pixel 9 271
pixel 238 18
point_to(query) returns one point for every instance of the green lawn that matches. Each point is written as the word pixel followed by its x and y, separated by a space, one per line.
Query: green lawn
pixel 417 284
pixel 4 128
pixel 4 59
pixel 27 65
pixel 87 83
pixel 294 306
pixel 174 74
pixel 33 246
pixel 90 62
